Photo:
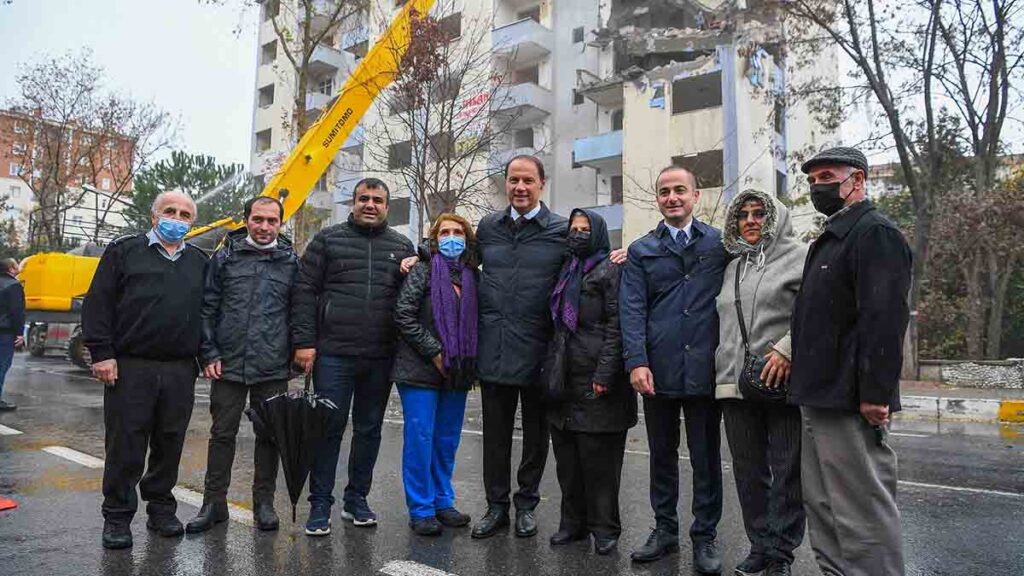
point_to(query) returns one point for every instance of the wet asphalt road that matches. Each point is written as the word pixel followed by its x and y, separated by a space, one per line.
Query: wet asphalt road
pixel 961 495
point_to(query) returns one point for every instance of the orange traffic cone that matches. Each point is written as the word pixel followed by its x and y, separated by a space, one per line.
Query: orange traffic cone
pixel 7 504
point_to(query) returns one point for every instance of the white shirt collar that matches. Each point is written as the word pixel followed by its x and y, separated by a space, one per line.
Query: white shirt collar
pixel 675 231
pixel 529 215
pixel 154 239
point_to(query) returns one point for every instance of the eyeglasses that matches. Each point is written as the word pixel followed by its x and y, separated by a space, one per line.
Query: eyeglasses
pixel 756 214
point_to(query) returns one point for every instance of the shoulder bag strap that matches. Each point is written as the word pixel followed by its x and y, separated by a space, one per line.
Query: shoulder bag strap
pixel 739 308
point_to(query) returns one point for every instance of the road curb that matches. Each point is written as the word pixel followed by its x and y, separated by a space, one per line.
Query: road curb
pixel 964 409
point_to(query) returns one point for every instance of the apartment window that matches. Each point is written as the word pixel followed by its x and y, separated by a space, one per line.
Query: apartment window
pixel 399 155
pixel 359 50
pixel 577 35
pixel 447 89
pixel 780 116
pixel 271 9
pixel 697 93
pixel 452 26
pixel 268 54
pixel 20 127
pixel 781 187
pixel 442 146
pixel 577 97
pixel 706 166
pixel 16 169
pixel 398 211
pixel 617 117
pixel 76 219
pixel 15 192
pixel 105 184
pixel 616 189
pixel 263 140
pixel 19 149
pixel 326 86
pixel 523 138
pixel 529 75
pixel 531 13
pixel 266 96
pixel 86 140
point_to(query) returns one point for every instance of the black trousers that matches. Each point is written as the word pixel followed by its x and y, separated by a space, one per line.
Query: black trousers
pixel 589 471
pixel 703 440
pixel 148 408
pixel 227 401
pixel 499 411
pixel 764 439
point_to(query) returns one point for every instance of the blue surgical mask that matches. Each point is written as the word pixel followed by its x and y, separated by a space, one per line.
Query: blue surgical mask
pixel 452 246
pixel 172 230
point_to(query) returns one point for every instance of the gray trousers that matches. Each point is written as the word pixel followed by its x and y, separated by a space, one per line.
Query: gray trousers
pixel 849 483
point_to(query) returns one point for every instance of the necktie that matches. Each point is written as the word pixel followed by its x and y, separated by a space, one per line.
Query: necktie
pixel 681 238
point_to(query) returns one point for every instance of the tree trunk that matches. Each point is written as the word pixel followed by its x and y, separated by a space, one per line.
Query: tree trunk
pixel 921 245
pixel 975 333
pixel 1000 287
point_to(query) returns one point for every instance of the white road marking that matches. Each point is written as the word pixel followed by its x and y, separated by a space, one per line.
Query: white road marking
pixel 410 568
pixel 5 431
pixel 908 435
pixel 961 489
pixel 193 498
pixel 75 456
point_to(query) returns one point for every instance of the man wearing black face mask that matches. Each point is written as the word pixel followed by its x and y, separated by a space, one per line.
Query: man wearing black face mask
pixel 847 338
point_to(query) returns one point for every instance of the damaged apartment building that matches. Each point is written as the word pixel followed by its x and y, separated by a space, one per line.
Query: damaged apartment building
pixel 700 85
pixel 605 92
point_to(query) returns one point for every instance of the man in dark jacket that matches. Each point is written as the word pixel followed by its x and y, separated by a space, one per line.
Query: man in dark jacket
pixel 12 321
pixel 521 249
pixel 848 326
pixel 245 350
pixel 669 334
pixel 342 320
pixel 141 322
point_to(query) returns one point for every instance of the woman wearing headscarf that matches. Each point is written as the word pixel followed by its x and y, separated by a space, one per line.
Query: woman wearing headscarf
pixel 435 366
pixel 761 283
pixel 591 402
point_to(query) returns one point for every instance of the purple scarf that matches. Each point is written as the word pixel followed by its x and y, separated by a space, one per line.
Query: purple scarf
pixel 455 323
pixel 565 300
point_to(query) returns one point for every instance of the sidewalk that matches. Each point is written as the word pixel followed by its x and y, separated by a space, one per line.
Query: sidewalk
pixel 938 401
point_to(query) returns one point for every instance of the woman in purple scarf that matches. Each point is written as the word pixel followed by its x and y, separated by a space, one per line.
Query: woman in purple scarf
pixel 435 366
pixel 591 402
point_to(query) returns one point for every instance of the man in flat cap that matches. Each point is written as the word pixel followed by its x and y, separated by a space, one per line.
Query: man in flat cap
pixel 847 338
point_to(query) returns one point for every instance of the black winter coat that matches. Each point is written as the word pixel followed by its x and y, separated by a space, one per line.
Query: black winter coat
pixel 344 296
pixel 851 314
pixel 419 343
pixel 519 271
pixel 594 354
pixel 246 310
pixel 12 305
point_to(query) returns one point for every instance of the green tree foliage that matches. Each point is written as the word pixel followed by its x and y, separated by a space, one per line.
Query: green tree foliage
pixel 220 190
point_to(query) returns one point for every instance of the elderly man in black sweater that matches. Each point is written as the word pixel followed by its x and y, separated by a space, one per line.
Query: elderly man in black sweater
pixel 141 322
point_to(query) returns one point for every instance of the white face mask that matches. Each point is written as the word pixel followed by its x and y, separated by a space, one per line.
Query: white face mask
pixel 258 246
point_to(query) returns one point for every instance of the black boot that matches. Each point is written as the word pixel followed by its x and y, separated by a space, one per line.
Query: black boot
pixel 752 565
pixel 166 526
pixel 526 524
pixel 265 517
pixel 494 520
pixel 658 544
pixel 116 535
pixel 778 568
pixel 209 514
pixel 567 536
pixel 604 546
pixel 706 559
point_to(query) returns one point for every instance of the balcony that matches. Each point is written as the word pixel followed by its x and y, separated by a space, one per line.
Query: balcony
pixel 522 41
pixel 521 104
pixel 605 93
pixel 325 60
pixel 354 37
pixel 602 152
pixel 317 101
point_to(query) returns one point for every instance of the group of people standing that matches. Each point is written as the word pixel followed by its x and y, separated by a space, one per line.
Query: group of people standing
pixel 538 312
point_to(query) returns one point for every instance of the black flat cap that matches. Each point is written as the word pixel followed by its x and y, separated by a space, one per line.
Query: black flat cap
pixel 838 155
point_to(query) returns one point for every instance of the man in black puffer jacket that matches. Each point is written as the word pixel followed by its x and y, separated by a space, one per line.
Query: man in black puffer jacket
pixel 342 321
pixel 245 349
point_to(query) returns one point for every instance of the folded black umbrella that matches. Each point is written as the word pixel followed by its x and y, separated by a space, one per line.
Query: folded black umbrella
pixel 295 422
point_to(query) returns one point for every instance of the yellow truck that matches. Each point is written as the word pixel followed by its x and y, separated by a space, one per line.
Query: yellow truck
pixel 56 283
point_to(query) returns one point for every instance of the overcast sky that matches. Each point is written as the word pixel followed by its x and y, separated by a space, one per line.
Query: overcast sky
pixel 179 54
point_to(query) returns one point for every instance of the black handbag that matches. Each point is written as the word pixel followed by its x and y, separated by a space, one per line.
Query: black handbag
pixel 750 384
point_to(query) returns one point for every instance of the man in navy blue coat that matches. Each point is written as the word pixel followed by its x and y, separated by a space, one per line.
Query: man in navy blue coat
pixel 669 334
